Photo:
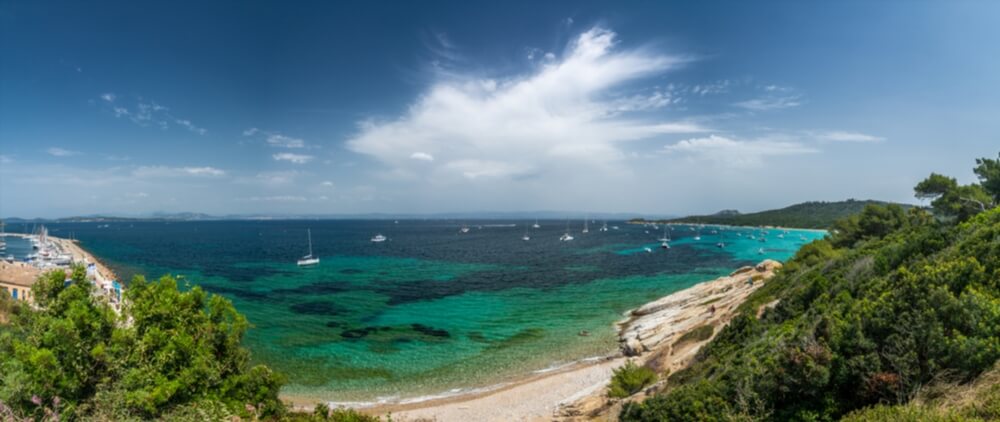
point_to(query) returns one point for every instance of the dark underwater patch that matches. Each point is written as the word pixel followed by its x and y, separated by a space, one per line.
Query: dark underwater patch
pixel 351 271
pixel 431 331
pixel 317 308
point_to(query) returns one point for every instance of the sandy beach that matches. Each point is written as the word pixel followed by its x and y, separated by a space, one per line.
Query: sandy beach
pixel 649 335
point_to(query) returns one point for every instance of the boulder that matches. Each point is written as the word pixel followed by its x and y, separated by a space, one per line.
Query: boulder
pixel 633 347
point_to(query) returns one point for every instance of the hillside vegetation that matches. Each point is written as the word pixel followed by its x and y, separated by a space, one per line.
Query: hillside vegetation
pixel 807 215
pixel 894 306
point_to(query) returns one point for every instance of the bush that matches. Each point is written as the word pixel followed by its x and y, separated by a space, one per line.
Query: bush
pixel 695 402
pixel 629 379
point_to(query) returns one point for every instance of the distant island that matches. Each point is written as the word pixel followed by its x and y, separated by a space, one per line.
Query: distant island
pixel 806 215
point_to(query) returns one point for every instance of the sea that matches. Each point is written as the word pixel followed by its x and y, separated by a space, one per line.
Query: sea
pixel 433 310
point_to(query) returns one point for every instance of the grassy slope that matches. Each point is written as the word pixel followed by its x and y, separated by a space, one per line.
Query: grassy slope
pixel 873 322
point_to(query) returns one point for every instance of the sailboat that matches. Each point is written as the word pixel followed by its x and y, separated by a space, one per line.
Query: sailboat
pixel 604 227
pixel 525 237
pixel 586 229
pixel 309 259
pixel 465 228
pixel 665 239
pixel 566 237
pixel 536 226
pixel 378 238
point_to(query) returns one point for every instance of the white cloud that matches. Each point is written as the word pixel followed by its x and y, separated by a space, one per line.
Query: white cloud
pixel 190 126
pixel 423 156
pixel 279 140
pixel 732 152
pixel 770 103
pixel 6 159
pixel 276 139
pixel 148 113
pixel 164 171
pixel 294 158
pixel 60 152
pixel 565 117
pixel 842 136
pixel 327 183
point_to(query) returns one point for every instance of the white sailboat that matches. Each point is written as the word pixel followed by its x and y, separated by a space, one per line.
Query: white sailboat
pixel 525 237
pixel 604 228
pixel 566 237
pixel 309 259
pixel 464 229
pixel 536 226
pixel 378 238
pixel 586 229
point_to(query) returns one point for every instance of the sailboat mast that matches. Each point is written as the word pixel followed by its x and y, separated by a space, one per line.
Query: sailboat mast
pixel 309 233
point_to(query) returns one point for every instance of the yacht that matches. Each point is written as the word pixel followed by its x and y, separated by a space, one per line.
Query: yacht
pixel 586 229
pixel 378 238
pixel 536 226
pixel 604 228
pixel 309 259
pixel 566 237
pixel 526 237
pixel 465 229
pixel 665 245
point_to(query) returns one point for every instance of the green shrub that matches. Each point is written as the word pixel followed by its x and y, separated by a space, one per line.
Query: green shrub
pixel 629 379
pixel 701 401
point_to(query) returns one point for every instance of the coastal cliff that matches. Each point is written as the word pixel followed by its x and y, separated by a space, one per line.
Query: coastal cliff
pixel 666 334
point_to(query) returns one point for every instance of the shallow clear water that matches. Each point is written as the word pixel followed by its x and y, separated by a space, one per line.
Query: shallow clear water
pixel 430 310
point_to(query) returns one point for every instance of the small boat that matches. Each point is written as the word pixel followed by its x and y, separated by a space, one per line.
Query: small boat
pixel 378 238
pixel 760 251
pixel 697 237
pixel 648 250
pixel 464 229
pixel 586 229
pixel 665 245
pixel 614 227
pixel 536 226
pixel 604 228
pixel 566 237
pixel 309 259
pixel 721 245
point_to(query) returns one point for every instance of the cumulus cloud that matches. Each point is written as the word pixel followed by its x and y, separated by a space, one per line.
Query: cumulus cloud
pixel 61 152
pixel 842 136
pixel 734 152
pixel 565 116
pixel 109 97
pixel 164 171
pixel 293 158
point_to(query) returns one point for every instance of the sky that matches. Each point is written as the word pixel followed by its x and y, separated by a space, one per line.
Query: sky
pixel 658 108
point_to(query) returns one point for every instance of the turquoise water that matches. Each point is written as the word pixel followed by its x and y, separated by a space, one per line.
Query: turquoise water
pixel 431 310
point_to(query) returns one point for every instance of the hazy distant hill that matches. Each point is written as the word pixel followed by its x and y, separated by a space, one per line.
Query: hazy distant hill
pixel 808 215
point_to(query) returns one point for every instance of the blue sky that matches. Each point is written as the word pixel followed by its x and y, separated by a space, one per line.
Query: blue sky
pixel 651 107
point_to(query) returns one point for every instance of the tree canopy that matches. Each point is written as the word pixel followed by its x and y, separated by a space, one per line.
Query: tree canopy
pixel 169 351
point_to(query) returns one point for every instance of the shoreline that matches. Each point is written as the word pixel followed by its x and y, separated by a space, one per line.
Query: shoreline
pixel 651 335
